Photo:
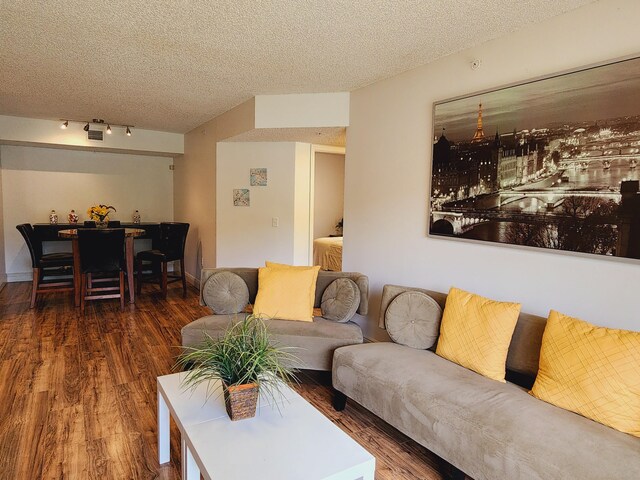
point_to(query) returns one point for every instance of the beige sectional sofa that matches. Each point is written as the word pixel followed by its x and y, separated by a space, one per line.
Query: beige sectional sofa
pixel 486 429
pixel 314 342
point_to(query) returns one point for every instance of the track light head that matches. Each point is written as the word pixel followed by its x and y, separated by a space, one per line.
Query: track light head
pixel 65 124
pixel 108 129
pixel 86 127
pixel 128 132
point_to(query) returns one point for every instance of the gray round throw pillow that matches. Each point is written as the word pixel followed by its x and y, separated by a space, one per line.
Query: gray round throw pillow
pixel 226 293
pixel 340 300
pixel 413 319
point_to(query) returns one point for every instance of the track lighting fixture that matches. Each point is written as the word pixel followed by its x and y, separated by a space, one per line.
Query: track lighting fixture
pixel 96 121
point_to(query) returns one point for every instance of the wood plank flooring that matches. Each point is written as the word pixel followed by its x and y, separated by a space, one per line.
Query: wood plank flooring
pixel 78 392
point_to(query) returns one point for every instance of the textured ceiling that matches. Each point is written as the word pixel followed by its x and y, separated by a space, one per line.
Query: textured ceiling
pixel 171 66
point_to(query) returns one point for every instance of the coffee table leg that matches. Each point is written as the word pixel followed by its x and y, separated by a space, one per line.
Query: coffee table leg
pixel 163 430
pixel 190 470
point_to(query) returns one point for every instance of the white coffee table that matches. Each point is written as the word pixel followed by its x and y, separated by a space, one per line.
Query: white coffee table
pixel 297 442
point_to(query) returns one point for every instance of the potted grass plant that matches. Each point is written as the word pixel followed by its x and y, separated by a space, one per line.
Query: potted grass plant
pixel 245 361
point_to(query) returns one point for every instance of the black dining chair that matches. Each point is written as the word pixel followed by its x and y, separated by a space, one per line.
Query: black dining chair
pixel 48 268
pixel 168 248
pixel 101 253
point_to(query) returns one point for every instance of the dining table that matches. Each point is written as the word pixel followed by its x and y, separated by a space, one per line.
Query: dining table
pixel 129 235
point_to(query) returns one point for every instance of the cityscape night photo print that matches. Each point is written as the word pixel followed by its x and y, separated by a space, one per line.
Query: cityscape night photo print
pixel 552 163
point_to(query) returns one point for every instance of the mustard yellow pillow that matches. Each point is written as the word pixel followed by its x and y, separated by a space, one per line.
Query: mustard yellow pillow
pixel 297 268
pixel 286 293
pixel 476 332
pixel 592 371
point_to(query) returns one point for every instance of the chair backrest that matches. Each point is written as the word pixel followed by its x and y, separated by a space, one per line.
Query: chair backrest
pixel 89 224
pixel 101 250
pixel 173 237
pixel 33 242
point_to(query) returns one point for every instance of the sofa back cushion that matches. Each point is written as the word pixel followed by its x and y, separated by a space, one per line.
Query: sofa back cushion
pixel 225 293
pixel 250 276
pixel 524 350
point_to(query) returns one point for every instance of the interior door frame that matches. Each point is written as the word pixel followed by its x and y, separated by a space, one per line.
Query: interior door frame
pixel 312 185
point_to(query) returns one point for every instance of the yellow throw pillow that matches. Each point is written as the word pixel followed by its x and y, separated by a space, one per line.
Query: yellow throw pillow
pixel 592 371
pixel 286 293
pixel 476 332
pixel 297 268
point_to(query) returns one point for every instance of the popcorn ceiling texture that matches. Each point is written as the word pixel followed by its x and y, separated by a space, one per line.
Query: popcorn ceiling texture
pixel 171 66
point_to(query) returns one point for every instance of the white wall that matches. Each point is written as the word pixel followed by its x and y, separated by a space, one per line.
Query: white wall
pixel 302 205
pixel 245 235
pixel 302 110
pixel 48 132
pixel 388 165
pixel 328 193
pixel 36 180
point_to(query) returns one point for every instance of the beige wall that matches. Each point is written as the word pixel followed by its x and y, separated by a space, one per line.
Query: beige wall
pixel 194 196
pixel 388 165
pixel 195 184
pixel 36 180
pixel 3 269
pixel 246 237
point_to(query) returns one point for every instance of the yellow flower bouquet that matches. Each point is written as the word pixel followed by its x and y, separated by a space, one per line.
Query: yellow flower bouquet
pixel 100 213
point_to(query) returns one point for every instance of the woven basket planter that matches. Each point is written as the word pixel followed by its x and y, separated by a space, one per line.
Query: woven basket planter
pixel 241 400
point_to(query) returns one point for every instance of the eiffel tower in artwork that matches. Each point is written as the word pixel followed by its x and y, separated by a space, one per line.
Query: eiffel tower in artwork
pixel 479 135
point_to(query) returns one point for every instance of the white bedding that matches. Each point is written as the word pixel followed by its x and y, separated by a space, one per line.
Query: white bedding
pixel 327 252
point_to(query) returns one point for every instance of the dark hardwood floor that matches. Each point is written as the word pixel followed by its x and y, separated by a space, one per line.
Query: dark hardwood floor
pixel 78 392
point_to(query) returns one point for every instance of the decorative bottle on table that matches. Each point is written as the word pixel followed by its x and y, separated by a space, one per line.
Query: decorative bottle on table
pixel 136 217
pixel 73 217
pixel 53 218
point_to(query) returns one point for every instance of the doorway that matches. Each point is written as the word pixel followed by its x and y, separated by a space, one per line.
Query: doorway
pixel 327 207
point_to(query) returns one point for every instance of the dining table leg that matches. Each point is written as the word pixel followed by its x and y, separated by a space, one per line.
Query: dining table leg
pixel 77 274
pixel 129 256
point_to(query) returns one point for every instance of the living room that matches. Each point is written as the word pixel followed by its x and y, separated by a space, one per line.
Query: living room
pixel 388 158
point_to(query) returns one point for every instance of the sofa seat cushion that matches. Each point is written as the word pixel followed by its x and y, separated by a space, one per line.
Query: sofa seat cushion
pixel 314 341
pixel 487 429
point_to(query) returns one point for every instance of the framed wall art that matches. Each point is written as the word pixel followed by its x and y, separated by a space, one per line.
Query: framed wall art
pixel 241 197
pixel 551 163
pixel 258 177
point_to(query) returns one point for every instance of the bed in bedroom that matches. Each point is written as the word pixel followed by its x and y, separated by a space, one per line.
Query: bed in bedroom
pixel 327 252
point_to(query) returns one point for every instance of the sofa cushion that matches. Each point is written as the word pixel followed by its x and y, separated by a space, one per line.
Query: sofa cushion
pixel 286 292
pixel 487 429
pixel 524 350
pixel 314 341
pixel 250 276
pixel 413 319
pixel 340 300
pixel 225 293
pixel 294 268
pixel 476 332
pixel 593 371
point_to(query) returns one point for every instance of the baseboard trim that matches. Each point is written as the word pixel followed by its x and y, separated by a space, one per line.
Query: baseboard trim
pixel 19 277
pixel 192 280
